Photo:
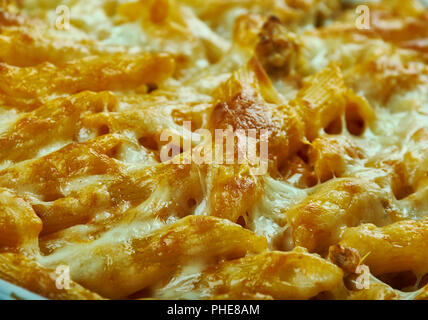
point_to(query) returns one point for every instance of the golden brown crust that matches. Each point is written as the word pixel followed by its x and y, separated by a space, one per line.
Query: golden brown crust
pixel 340 211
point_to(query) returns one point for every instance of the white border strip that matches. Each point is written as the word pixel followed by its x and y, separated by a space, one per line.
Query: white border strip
pixel 9 291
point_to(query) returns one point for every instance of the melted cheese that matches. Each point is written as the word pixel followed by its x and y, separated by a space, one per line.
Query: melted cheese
pixel 93 176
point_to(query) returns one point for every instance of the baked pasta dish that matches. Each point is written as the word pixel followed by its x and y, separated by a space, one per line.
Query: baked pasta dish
pixel 107 108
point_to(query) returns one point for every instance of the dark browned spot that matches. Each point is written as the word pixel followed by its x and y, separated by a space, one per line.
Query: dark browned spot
pixel 221 289
pixel 400 280
pixel 334 127
pixel 354 121
pixel 350 282
pixel 423 282
pixel 276 50
pixel 144 293
pixel 324 295
pixel 149 143
pixel 103 130
pixel 403 191
pixel 319 20
pixel 151 87
pixel 304 154
pixel 114 152
pixel 191 203
pixel 241 222
pixel 345 258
